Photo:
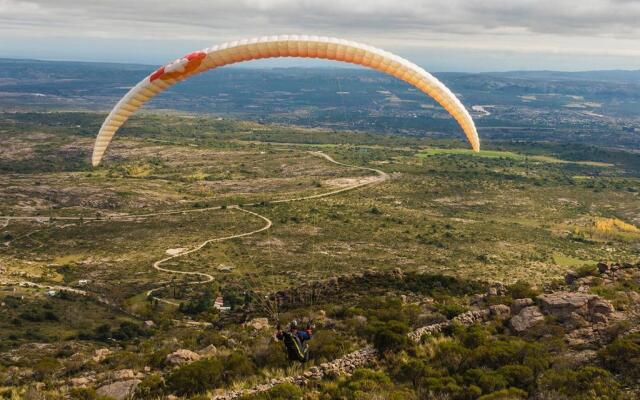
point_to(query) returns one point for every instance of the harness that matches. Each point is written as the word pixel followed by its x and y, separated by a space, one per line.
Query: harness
pixel 296 350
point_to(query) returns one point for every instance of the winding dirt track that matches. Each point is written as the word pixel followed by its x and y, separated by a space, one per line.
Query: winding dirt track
pixel 381 177
pixel 207 277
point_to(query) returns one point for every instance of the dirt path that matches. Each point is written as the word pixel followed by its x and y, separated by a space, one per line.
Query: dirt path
pixel 207 277
pixel 382 176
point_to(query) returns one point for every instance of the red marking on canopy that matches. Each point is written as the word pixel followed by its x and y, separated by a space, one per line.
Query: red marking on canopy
pixel 157 74
pixel 193 62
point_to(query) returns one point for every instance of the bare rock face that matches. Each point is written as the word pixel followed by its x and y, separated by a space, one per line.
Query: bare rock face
pixel 80 381
pixel 208 351
pixel 526 318
pixel 570 277
pixel 258 324
pixel 600 306
pixel 519 304
pixel 500 311
pixel 181 357
pixel 119 390
pixel 100 355
pixel 562 304
pixel 572 307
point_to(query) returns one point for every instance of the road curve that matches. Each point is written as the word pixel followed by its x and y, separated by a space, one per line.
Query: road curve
pixel 207 278
pixel 382 176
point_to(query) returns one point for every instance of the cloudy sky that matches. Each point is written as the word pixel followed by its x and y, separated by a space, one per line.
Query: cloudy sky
pixel 441 35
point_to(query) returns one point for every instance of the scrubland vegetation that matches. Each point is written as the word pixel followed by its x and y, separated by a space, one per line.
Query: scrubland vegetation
pixel 523 214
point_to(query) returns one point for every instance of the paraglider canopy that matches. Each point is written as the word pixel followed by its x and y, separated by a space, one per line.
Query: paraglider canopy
pixel 281 46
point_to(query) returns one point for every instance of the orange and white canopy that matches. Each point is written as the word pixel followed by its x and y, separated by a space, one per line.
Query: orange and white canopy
pixel 281 46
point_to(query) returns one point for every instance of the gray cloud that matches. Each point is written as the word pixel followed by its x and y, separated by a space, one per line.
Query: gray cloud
pixel 583 27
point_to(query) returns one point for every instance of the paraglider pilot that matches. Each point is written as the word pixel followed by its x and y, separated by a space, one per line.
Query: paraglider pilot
pixel 295 340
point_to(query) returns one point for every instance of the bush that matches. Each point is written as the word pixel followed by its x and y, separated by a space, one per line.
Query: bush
pixel 391 336
pixel 622 356
pixel 521 290
pixel 285 391
pixel 585 383
pixel 197 377
pixel 237 365
pixel 85 394
pixel 451 355
pixel 505 394
pixel 329 345
pixel 489 381
pixel 45 368
pixel 366 384
pixel 448 388
pixel 519 376
pixel 151 387
pixel 268 353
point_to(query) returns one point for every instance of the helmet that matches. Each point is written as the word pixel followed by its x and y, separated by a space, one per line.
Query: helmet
pixel 293 324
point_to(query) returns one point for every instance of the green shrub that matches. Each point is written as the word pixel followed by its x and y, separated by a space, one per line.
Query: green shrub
pixel 197 377
pixel 519 376
pixel 267 353
pixel 366 384
pixel 285 391
pixel 448 388
pixel 452 356
pixel 329 345
pixel 622 356
pixel 505 394
pixel 151 387
pixel 522 289
pixel 585 383
pixel 391 336
pixel 237 365
pixel 85 394
pixel 489 381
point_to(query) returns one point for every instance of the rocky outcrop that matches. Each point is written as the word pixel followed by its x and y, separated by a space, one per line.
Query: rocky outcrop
pixel 526 319
pixel 258 324
pixel 574 309
pixel 500 311
pixel 181 357
pixel 100 355
pixel 208 351
pixel 519 304
pixel 119 390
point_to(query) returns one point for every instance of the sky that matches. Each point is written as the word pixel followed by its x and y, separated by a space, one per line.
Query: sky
pixel 440 35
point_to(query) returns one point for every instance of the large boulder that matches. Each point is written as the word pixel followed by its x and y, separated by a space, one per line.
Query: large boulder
pixel 181 357
pixel 208 351
pixel 526 318
pixel 519 304
pixel 119 390
pixel 561 305
pixel 101 354
pixel 500 311
pixel 568 306
pixel 258 324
